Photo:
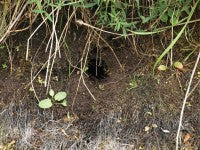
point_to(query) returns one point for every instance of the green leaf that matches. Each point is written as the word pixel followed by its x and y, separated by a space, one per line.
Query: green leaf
pixel 153 11
pixel 188 104
pixel 64 102
pixel 145 19
pixel 88 5
pixel 187 2
pixel 162 68
pixel 118 26
pixel 31 1
pixel 38 11
pixel 174 21
pixel 162 6
pixel 51 93
pixel 4 66
pixel 60 96
pixel 187 10
pixel 45 103
pixel 39 5
pixel 75 4
pixel 96 1
pixel 178 65
pixel 48 16
pixel 164 18
pixel 170 12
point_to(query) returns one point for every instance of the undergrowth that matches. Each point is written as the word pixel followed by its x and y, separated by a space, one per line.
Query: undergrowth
pixel 124 17
pixel 120 18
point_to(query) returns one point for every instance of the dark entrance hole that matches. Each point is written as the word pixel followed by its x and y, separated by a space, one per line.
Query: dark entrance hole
pixel 97 68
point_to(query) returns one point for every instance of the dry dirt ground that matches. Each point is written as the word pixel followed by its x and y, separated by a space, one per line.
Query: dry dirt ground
pixel 131 110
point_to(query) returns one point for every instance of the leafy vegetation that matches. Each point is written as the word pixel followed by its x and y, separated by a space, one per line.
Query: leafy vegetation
pixel 58 98
pixel 133 83
pixel 122 15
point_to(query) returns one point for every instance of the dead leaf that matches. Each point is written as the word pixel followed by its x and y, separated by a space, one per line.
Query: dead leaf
pixel 186 138
pixel 154 125
pixel 146 129
pixel 165 131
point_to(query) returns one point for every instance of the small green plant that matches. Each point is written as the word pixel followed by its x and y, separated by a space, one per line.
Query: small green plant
pixel 2 47
pixel 40 80
pixel 133 84
pixel 4 66
pixel 58 98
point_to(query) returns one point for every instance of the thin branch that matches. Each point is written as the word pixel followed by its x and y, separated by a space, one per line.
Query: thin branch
pixel 118 61
pixel 184 101
pixel 14 21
